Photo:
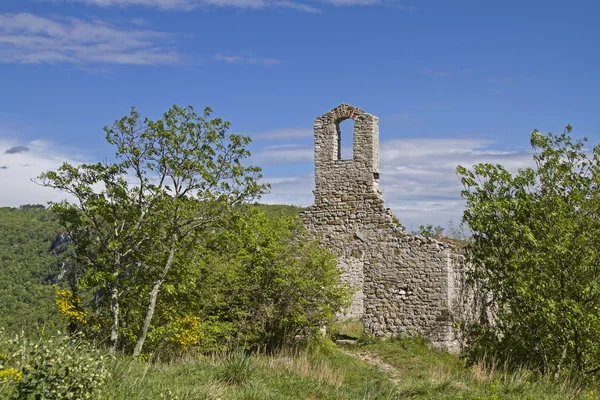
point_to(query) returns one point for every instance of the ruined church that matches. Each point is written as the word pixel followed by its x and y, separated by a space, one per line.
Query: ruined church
pixel 406 285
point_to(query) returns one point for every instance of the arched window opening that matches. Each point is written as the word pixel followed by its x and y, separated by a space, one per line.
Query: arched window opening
pixel 345 130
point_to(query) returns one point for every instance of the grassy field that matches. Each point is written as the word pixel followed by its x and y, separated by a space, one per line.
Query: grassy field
pixel 394 369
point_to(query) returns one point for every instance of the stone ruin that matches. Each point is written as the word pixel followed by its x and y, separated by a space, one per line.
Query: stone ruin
pixel 406 285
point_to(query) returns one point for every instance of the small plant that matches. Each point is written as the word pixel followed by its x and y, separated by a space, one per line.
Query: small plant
pixel 50 368
pixel 237 368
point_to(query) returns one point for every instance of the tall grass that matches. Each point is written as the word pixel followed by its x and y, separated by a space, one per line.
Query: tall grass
pixel 413 370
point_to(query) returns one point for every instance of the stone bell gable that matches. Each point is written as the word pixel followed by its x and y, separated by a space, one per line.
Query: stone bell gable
pixel 405 284
pixel 359 174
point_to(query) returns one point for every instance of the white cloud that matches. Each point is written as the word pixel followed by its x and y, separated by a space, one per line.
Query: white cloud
pixel 18 169
pixel 296 190
pixel 418 175
pixel 245 59
pixel 30 39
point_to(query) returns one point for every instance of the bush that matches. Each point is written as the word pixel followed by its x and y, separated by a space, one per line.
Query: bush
pixel 56 367
pixel 534 257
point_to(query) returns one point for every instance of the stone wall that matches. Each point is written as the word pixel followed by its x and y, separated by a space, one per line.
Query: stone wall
pixel 405 284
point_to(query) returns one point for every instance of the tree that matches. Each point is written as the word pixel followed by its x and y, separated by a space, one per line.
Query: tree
pixel 277 283
pixel 136 216
pixel 259 284
pixel 535 256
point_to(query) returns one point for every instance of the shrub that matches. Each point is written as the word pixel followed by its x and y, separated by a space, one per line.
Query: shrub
pixel 534 257
pixel 56 367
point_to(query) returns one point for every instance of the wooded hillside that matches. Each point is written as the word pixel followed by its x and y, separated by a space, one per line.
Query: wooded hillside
pixel 29 265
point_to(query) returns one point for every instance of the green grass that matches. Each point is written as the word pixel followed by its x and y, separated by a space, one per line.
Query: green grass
pixel 414 371
pixel 305 375
pixel 425 373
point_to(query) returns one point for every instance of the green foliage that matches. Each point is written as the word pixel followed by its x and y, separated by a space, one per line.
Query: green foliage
pixel 260 282
pixel 285 285
pixel 169 253
pixel 55 367
pixel 535 254
pixel 193 314
pixel 138 219
pixel 279 210
pixel 429 231
pixel 28 268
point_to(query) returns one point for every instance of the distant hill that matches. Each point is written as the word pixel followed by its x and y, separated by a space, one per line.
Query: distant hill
pixel 28 267
pixel 29 264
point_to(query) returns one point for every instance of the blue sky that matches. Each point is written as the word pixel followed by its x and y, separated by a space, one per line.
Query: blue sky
pixel 451 81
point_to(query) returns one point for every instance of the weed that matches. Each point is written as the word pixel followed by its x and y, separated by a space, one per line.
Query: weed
pixel 237 368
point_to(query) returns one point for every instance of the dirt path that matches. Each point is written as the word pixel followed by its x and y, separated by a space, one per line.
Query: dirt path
pixel 374 359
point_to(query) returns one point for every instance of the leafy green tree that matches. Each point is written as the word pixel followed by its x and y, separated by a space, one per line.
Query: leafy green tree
pixel 270 281
pixel 535 256
pixel 137 217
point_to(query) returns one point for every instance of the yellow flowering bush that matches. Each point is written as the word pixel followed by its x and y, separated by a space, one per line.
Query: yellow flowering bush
pixel 69 306
pixel 10 373
pixel 184 332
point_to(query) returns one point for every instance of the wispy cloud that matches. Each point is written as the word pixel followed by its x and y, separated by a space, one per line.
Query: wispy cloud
pixel 245 59
pixel 17 170
pixel 194 4
pixel 418 175
pixel 187 5
pixel 353 2
pixel 296 190
pixel 29 39
pixel 289 153
pixel 285 133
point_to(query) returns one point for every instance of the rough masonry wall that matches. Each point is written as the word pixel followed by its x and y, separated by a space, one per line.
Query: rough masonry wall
pixel 405 284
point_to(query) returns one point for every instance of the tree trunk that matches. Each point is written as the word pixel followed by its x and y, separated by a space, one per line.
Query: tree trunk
pixel 152 303
pixel 559 364
pixel 114 313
